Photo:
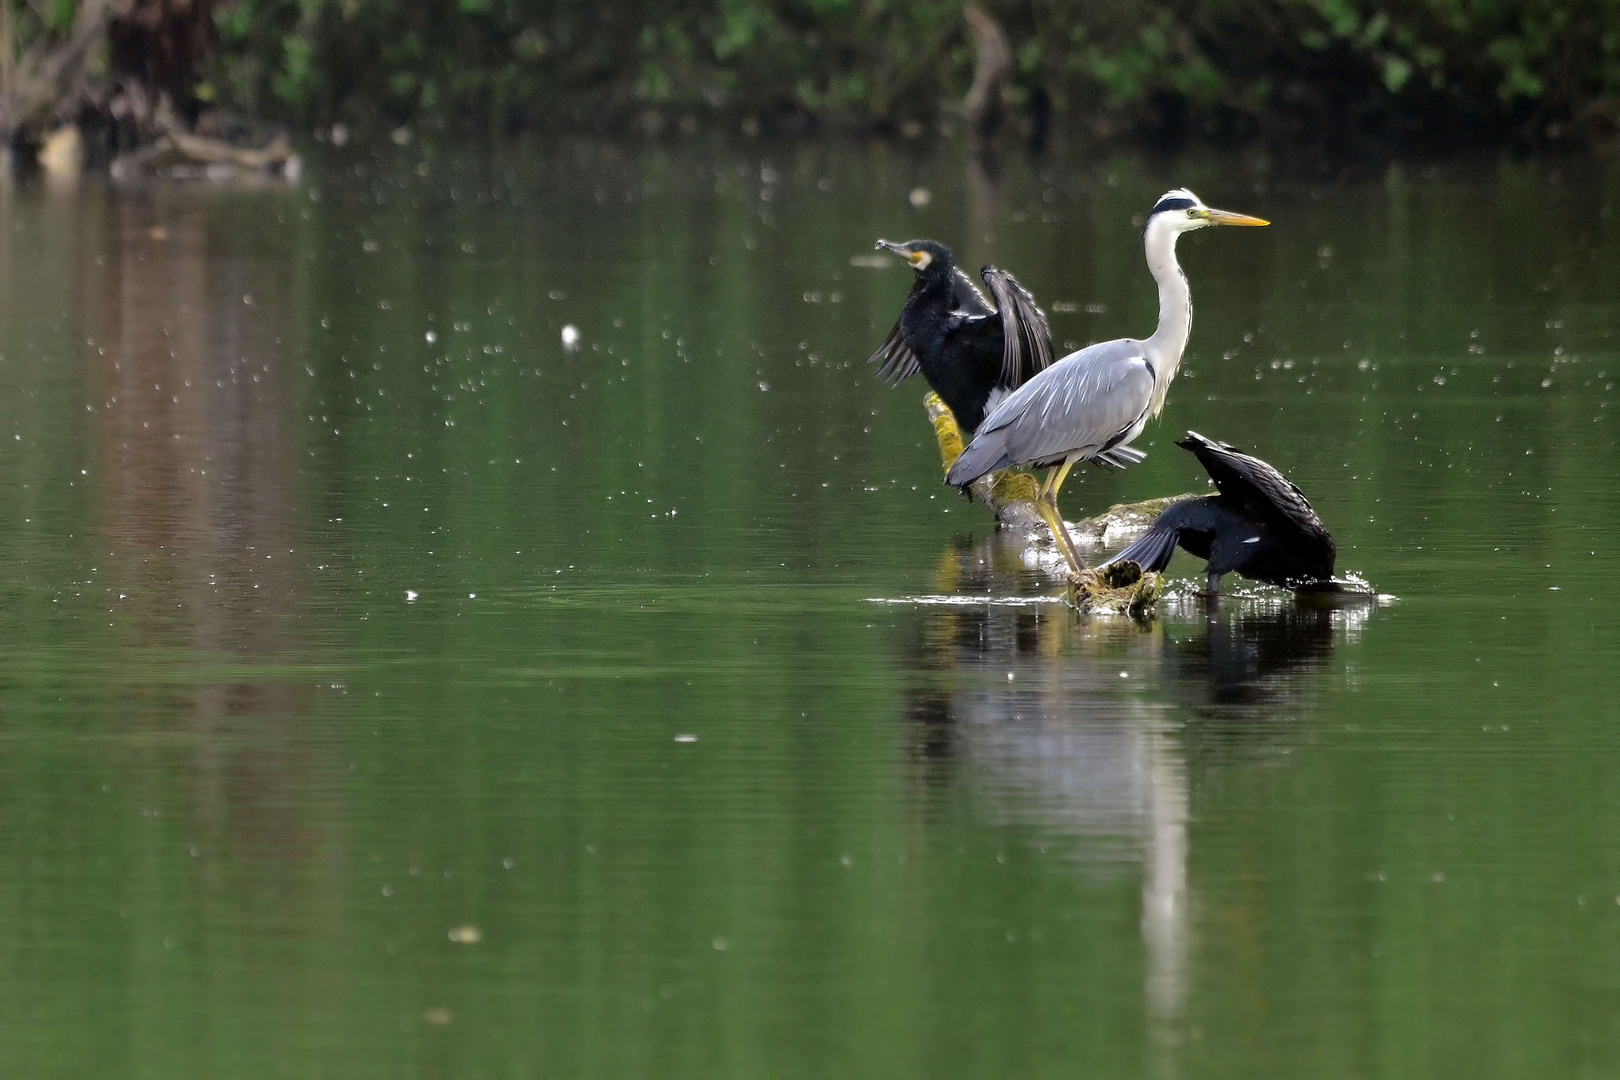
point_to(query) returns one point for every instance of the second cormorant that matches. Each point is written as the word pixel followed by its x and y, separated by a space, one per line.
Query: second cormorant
pixel 1259 525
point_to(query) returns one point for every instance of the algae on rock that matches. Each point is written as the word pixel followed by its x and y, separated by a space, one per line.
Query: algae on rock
pixel 1119 588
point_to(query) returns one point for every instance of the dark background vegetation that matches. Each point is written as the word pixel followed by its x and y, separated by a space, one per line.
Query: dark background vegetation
pixel 1531 70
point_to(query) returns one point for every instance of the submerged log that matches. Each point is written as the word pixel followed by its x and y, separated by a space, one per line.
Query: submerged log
pixel 1121 522
pixel 1121 588
pixel 179 147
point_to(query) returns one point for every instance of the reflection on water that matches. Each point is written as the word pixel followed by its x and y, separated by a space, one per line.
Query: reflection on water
pixel 199 464
pixel 180 600
pixel 1251 658
pixel 1058 721
pixel 198 476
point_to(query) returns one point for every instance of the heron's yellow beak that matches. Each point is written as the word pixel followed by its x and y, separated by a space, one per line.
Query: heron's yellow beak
pixel 1226 217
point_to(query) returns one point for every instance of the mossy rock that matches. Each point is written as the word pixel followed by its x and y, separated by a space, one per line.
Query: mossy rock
pixel 1119 588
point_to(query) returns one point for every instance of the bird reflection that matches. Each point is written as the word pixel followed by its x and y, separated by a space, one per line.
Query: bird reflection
pixel 1023 703
pixel 1252 662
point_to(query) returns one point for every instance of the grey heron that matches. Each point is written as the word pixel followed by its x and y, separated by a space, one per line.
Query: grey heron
pixel 1259 524
pixel 1089 405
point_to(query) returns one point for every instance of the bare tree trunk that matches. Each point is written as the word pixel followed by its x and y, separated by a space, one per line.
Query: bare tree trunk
pixel 156 50
pixel 48 78
pixel 984 105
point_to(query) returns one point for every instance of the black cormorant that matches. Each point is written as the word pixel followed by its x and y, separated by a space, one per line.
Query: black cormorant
pixel 970 352
pixel 1259 525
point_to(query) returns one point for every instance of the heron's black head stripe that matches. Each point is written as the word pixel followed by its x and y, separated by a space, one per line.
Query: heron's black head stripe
pixel 1177 203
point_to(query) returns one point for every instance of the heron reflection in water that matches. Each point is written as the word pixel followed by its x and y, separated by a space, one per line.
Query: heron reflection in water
pixel 1022 704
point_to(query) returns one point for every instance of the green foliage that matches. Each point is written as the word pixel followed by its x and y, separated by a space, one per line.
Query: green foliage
pixel 1266 63
pixel 1269 65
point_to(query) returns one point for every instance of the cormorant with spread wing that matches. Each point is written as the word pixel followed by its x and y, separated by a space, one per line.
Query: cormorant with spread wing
pixel 970 352
pixel 1258 524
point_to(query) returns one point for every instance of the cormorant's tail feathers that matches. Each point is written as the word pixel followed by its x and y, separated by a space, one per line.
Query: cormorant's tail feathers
pixel 1151 551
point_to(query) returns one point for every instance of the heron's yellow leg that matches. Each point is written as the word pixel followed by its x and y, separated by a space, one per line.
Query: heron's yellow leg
pixel 1047 509
pixel 1044 499
pixel 1057 481
pixel 1060 534
pixel 1054 517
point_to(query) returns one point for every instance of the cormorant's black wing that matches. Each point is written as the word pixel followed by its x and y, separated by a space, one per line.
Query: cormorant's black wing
pixel 1259 488
pixel 1026 336
pixel 966 297
pixel 896 362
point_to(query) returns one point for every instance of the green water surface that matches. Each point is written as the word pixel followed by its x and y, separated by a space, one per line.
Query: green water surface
pixel 390 691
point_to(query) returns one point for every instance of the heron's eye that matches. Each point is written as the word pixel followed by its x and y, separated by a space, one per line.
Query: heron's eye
pixel 1192 211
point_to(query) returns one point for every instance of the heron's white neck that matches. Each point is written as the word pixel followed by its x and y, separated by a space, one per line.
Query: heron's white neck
pixel 1165 347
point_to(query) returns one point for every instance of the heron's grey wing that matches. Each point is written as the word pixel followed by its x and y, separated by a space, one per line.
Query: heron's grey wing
pixel 896 362
pixel 1025 334
pixel 1086 402
pixel 966 297
pixel 1256 485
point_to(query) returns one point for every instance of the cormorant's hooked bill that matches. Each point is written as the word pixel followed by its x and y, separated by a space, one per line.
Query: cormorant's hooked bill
pixel 919 253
